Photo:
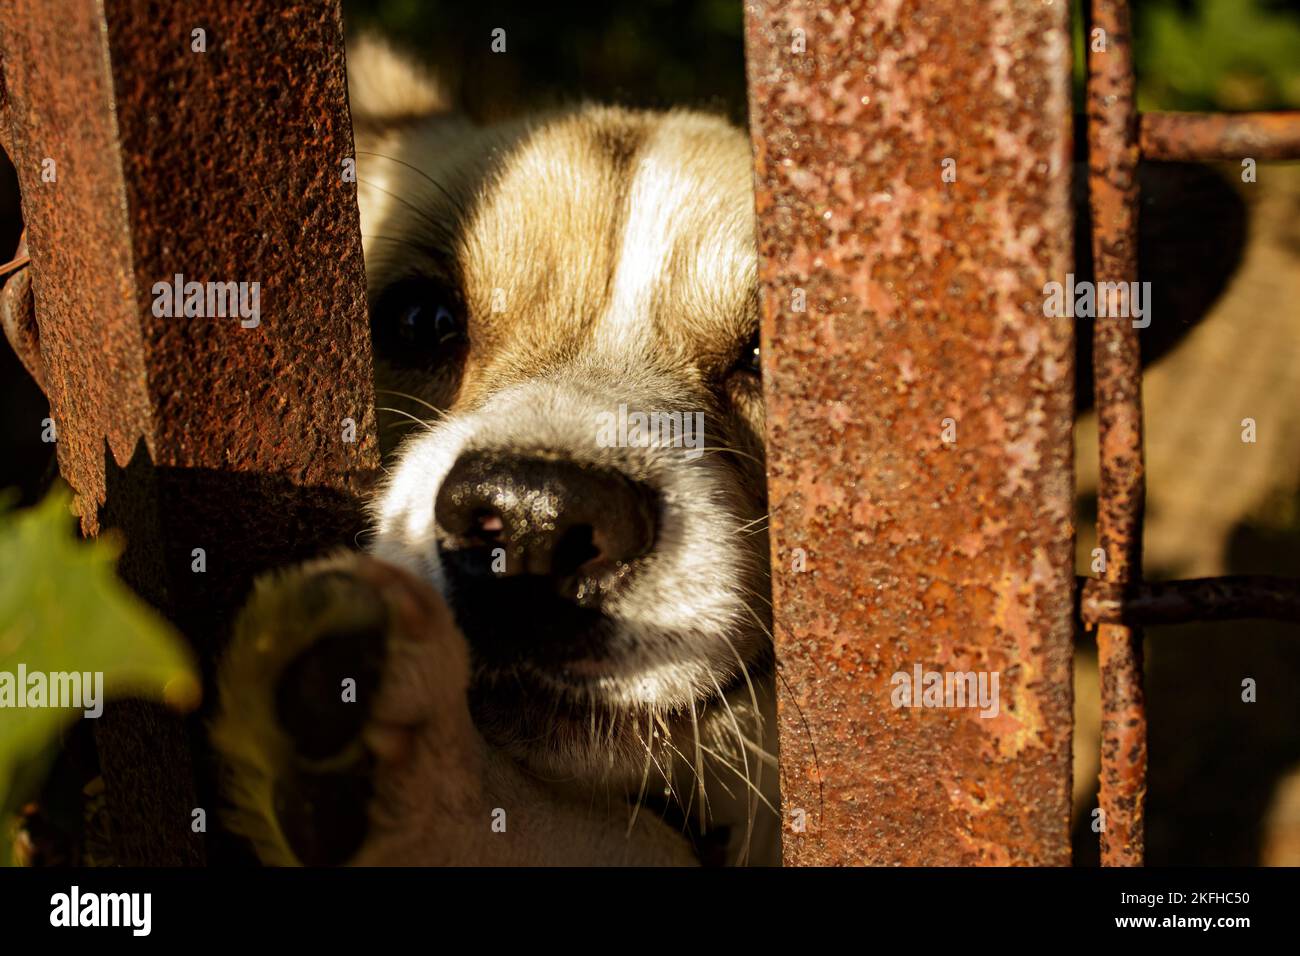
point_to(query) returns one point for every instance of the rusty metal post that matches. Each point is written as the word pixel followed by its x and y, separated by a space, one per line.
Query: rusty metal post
pixel 206 141
pixel 1113 197
pixel 912 168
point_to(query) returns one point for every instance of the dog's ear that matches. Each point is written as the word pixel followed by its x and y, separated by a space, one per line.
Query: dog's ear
pixel 386 86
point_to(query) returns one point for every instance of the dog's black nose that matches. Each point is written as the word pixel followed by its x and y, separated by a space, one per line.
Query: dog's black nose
pixel 574 524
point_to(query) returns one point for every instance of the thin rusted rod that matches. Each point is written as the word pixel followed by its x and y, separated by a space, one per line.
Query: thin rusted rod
pixel 20 259
pixel 1113 195
pixel 1198 599
pixel 1193 136
pixel 18 311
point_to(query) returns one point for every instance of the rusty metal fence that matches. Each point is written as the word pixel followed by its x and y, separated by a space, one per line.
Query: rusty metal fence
pixel 140 156
pixel 924 296
pixel 912 172
pixel 1119 604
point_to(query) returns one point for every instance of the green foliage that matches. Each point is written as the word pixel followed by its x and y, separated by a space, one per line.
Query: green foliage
pixel 1208 55
pixel 1221 55
pixel 62 609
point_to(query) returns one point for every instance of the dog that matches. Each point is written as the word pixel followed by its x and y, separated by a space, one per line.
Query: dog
pixel 556 648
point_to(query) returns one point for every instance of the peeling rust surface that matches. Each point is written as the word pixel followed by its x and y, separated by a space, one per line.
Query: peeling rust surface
pixel 924 303
pixel 1201 136
pixel 1113 196
pixel 193 432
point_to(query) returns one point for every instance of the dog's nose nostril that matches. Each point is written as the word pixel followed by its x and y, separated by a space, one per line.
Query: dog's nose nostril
pixel 552 518
pixel 489 525
pixel 574 549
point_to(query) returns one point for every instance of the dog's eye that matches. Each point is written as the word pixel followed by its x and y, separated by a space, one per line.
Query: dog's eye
pixel 750 356
pixel 418 322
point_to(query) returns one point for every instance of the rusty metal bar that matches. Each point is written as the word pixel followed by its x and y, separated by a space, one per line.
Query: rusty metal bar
pixel 912 171
pixel 1201 136
pixel 1113 197
pixel 147 150
pixel 1199 599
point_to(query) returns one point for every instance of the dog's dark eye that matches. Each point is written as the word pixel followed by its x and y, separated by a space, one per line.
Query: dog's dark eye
pixel 750 356
pixel 419 323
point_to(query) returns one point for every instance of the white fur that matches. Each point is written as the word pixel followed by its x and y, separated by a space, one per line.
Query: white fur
pixel 688 588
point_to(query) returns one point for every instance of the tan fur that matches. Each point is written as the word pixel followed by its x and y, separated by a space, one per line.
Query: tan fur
pixel 538 209
pixel 385 88
pixel 603 255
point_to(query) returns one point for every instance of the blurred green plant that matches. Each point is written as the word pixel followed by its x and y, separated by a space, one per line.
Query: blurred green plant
pixel 63 609
pixel 1208 55
pixel 1218 55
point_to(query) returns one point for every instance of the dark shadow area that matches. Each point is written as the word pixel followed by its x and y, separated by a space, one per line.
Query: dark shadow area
pixel 153 761
pixel 1192 229
pixel 26 462
pixel 662 53
pixel 1216 760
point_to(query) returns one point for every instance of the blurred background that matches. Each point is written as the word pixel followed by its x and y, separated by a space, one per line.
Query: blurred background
pixel 1191 54
pixel 1224 257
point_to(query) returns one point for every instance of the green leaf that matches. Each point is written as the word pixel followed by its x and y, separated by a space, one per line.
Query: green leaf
pixel 64 610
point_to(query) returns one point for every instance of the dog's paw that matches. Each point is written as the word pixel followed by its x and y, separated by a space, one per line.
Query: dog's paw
pixel 343 715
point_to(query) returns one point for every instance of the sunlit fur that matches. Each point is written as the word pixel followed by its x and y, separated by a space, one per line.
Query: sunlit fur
pixel 605 256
